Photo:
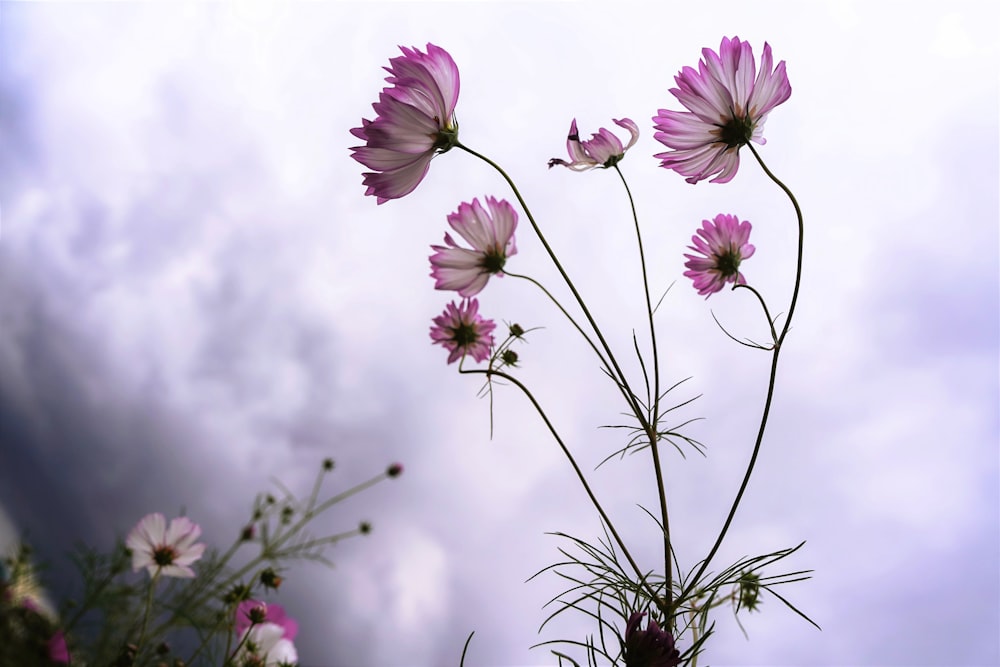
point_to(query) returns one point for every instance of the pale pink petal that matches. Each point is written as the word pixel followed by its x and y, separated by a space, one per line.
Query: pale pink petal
pixel 727 100
pixel 415 121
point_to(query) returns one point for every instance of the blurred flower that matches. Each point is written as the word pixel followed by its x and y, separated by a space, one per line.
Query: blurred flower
pixel 603 149
pixel 491 235
pixel 249 611
pixel 58 651
pixel 726 108
pixel 160 549
pixel 266 645
pixel 724 245
pixel 415 121
pixel 461 330
pixel 652 647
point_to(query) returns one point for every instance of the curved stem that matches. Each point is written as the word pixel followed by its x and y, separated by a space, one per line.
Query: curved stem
pixel 620 376
pixel 654 403
pixel 771 381
pixel 798 261
pixel 767 313
pixel 579 473
pixel 569 317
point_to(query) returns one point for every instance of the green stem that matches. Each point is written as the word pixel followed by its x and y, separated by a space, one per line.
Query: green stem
pixel 145 616
pixel 619 375
pixel 569 317
pixel 654 401
pixel 771 381
pixel 579 473
pixel 767 313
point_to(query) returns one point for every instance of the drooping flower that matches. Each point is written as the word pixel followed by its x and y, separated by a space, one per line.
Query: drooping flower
pixel 162 550
pixel 266 645
pixel 415 120
pixel 603 149
pixel 256 612
pixel 462 331
pixel 727 102
pixel 491 235
pixel 652 647
pixel 723 242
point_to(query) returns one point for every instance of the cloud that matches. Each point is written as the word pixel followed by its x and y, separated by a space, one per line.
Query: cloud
pixel 197 297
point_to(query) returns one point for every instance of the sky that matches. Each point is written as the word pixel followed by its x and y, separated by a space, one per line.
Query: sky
pixel 196 298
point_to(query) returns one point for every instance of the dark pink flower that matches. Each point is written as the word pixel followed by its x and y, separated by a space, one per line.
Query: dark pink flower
pixel 461 330
pixel 58 651
pixel 603 149
pixel 652 647
pixel 249 611
pixel 727 102
pixel 723 244
pixel 415 121
pixel 491 235
pixel 165 550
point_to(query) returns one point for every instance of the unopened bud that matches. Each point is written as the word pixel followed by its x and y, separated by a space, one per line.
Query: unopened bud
pixel 394 470
pixel 270 579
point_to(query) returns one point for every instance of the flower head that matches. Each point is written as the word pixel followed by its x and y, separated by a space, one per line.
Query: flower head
pixel 491 235
pixel 415 120
pixel 652 647
pixel 255 612
pixel 57 649
pixel 723 242
pixel 462 331
pixel 266 645
pixel 603 149
pixel 162 550
pixel 727 102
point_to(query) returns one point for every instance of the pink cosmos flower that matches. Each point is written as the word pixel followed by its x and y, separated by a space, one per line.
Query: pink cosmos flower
pixel 491 235
pixel 266 645
pixel 724 245
pixel 727 102
pixel 162 550
pixel 603 149
pixel 270 613
pixel 415 120
pixel 461 330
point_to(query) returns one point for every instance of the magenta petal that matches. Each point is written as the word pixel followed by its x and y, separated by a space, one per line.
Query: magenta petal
pixel 727 100
pixel 723 244
pixel 415 121
pixel 491 235
pixel 603 149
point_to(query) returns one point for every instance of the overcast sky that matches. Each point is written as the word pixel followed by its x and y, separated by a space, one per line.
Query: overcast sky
pixel 195 297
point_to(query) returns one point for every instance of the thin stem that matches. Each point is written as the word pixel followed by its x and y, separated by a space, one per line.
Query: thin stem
pixel 145 616
pixel 569 317
pixel 579 473
pixel 651 430
pixel 798 262
pixel 771 380
pixel 767 313
pixel 620 376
